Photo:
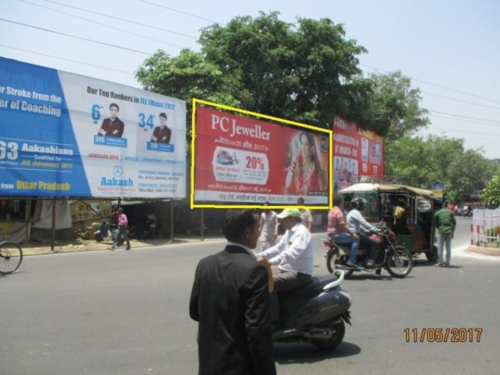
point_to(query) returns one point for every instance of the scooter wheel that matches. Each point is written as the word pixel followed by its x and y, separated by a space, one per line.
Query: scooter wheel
pixel 335 340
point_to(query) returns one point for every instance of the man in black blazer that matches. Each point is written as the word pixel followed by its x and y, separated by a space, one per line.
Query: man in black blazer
pixel 230 300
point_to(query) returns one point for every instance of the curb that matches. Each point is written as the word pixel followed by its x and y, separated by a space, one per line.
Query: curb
pixel 484 250
pixel 100 246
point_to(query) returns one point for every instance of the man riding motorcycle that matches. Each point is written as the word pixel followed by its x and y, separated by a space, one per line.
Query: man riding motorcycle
pixel 356 222
pixel 339 233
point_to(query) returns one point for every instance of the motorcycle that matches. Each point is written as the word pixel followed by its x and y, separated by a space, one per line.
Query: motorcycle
pixel 467 213
pixel 396 259
pixel 108 230
pixel 314 313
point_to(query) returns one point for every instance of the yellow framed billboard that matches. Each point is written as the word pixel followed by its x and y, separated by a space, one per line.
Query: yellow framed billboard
pixel 239 160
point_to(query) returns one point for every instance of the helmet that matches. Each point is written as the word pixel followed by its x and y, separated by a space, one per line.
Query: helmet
pixel 358 203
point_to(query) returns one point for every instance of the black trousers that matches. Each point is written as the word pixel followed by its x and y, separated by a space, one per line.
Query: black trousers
pixel 288 280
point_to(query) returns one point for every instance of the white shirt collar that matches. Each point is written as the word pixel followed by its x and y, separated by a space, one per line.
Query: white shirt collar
pixel 247 249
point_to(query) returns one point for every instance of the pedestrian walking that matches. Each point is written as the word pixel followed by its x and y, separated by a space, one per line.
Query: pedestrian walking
pixel 445 223
pixel 122 229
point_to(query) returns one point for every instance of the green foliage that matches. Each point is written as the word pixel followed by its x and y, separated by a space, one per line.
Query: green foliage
pixel 492 232
pixel 307 72
pixel 421 162
pixel 393 110
pixel 302 72
pixel 491 195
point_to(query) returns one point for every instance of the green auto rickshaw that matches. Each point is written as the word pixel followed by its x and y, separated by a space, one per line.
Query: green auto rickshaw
pixel 406 210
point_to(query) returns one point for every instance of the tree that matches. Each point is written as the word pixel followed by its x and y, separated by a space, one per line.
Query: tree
pixel 302 72
pixel 491 195
pixel 307 72
pixel 421 162
pixel 471 171
pixel 394 106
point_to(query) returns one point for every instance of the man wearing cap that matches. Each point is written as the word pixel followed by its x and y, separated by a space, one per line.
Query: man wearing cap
pixel 293 255
pixel 162 133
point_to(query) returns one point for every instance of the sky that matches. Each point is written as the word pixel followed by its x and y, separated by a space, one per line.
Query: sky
pixel 449 48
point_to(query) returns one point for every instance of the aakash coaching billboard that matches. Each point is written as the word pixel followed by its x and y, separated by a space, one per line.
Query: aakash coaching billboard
pixel 63 134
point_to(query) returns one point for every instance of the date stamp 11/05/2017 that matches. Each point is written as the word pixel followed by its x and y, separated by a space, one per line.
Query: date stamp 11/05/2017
pixel 454 335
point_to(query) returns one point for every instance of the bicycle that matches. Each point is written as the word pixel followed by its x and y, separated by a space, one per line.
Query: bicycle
pixel 11 256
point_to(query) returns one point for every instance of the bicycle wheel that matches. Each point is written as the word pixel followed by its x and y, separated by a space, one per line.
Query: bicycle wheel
pixel 11 257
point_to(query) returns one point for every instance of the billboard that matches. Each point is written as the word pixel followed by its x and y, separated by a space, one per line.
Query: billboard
pixel 63 134
pixel 247 161
pixel 357 154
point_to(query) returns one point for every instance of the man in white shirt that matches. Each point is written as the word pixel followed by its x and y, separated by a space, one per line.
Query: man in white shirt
pixel 268 226
pixel 293 254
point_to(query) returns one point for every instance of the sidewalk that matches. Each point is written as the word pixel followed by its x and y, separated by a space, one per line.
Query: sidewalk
pixel 491 251
pixel 74 246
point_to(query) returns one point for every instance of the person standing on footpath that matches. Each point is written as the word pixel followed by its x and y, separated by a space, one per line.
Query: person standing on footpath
pixel 230 300
pixel 445 223
pixel 268 227
pixel 122 229
pixel 305 214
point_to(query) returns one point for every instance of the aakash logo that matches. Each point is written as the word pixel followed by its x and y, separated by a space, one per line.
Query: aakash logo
pixel 116 181
pixel 117 171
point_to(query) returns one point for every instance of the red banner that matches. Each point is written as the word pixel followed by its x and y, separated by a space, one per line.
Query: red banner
pixel 357 153
pixel 246 161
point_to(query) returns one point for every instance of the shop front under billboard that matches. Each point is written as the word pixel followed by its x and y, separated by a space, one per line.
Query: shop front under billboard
pixel 242 160
pixel 63 134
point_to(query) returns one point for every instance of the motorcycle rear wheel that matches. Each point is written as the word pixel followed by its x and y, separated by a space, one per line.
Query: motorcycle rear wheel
pixel 399 263
pixel 332 259
pixel 335 340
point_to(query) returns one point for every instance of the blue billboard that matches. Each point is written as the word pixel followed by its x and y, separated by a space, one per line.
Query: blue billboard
pixel 67 135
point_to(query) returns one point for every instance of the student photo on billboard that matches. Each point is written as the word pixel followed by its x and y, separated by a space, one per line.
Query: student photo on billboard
pixel 112 126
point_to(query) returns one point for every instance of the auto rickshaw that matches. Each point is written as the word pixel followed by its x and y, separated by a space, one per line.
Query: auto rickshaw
pixel 415 229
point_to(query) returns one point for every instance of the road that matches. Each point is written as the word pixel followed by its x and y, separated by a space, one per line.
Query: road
pixel 126 312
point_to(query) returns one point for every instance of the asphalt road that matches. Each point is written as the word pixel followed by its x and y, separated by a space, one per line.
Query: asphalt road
pixel 126 312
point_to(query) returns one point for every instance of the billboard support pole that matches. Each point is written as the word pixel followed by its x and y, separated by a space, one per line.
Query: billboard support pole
pixel 171 221
pixel 202 223
pixel 27 212
pixel 53 239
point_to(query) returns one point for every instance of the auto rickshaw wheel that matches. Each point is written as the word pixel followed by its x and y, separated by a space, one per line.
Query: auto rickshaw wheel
pixel 432 255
